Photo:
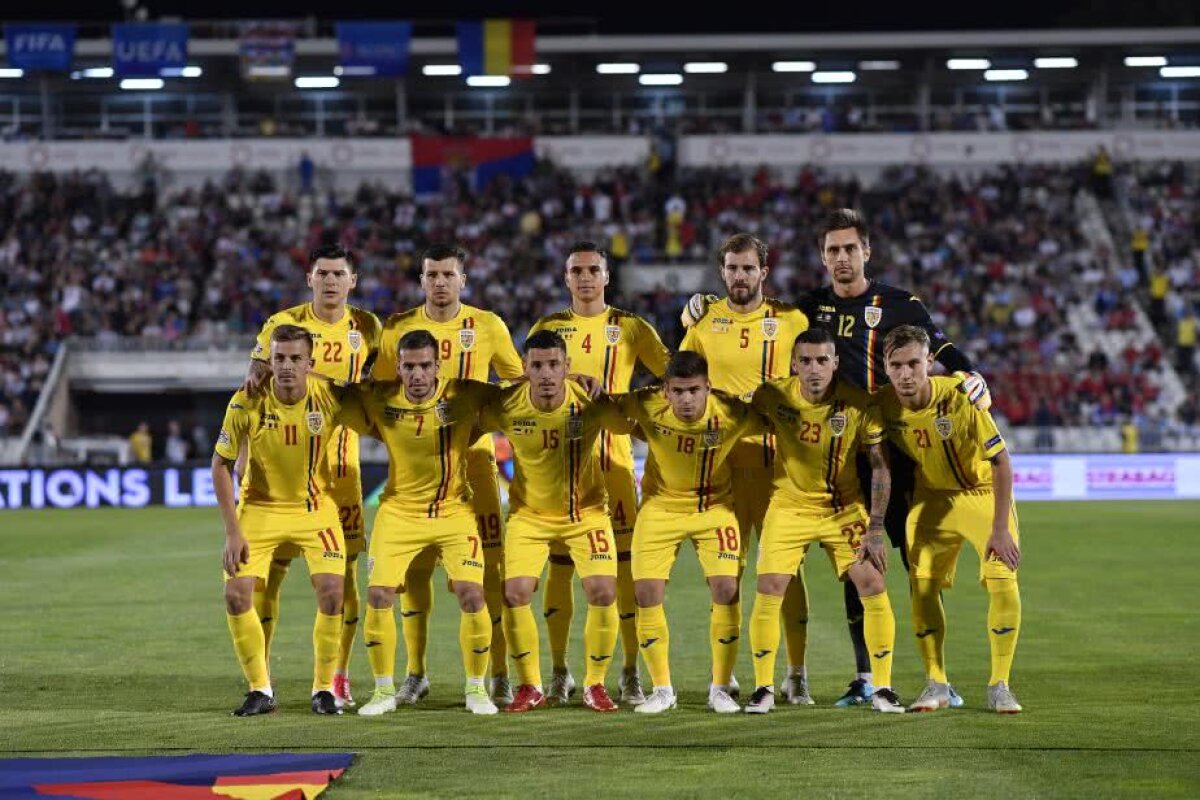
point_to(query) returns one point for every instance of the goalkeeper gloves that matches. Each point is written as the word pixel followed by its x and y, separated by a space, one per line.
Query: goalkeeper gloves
pixel 696 307
pixel 976 389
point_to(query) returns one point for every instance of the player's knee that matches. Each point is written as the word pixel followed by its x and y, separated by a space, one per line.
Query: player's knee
pixel 868 581
pixel 517 594
pixel 470 596
pixel 648 593
pixel 724 591
pixel 329 593
pixel 601 592
pixel 381 596
pixel 238 598
pixel 773 584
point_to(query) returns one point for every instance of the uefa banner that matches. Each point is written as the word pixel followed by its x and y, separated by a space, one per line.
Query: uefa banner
pixel 380 47
pixel 1166 476
pixel 146 49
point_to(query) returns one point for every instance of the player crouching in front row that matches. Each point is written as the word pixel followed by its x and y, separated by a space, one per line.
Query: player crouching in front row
pixel 287 430
pixel 957 498
pixel 820 422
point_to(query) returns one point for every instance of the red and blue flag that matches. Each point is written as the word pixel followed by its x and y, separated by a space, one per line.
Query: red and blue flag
pixel 482 159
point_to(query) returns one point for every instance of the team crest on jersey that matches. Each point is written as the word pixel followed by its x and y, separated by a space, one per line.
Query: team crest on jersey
pixel 837 424
pixel 770 327
pixel 872 315
pixel 711 438
pixel 355 340
pixel 612 333
pixel 575 428
pixel 315 421
pixel 442 410
pixel 466 338
pixel 944 427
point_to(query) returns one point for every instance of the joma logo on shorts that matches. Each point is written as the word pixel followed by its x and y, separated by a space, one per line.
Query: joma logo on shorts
pixel 729 556
pixel 334 555
pixel 466 562
pixel 601 557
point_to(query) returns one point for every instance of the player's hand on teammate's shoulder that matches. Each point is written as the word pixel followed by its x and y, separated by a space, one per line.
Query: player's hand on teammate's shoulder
pixel 1002 545
pixel 589 384
pixel 976 389
pixel 695 308
pixel 257 378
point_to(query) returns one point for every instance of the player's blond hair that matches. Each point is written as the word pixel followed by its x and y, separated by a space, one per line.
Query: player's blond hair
pixel 903 336
pixel 292 333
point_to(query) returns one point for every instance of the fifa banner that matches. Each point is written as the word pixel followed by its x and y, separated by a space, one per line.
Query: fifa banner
pixel 1036 477
pixel 145 50
pixel 45 46
pixel 374 48
pixel 267 49
pixel 298 776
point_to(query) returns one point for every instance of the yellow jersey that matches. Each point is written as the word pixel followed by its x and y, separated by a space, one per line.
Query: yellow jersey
pixel 557 472
pixel 342 351
pixel 817 442
pixel 286 444
pixel 744 351
pixel 686 470
pixel 608 347
pixel 427 442
pixel 950 440
pixel 469 344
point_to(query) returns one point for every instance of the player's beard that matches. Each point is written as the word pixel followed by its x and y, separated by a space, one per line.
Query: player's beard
pixel 745 295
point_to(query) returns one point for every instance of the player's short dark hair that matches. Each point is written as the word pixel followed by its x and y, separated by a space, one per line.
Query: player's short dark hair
pixel 331 252
pixel 903 336
pixel 292 333
pixel 843 219
pixel 584 246
pixel 545 340
pixel 813 336
pixel 442 251
pixel 687 364
pixel 418 340
pixel 740 243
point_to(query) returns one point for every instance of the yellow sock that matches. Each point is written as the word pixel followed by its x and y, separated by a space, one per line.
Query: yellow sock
pixel 627 613
pixel 327 634
pixel 416 606
pixel 493 593
pixel 764 637
pixel 558 607
pixel 250 648
pixel 350 611
pixel 795 620
pixel 380 635
pixel 599 641
pixel 1004 625
pixel 655 642
pixel 522 632
pixel 267 602
pixel 929 624
pixel 724 631
pixel 879 628
pixel 475 640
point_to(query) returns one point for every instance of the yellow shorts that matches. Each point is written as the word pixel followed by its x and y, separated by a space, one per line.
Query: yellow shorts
pixel 939 522
pixel 790 529
pixel 315 535
pixel 752 490
pixel 398 538
pixel 589 543
pixel 658 534
pixel 622 512
pixel 485 504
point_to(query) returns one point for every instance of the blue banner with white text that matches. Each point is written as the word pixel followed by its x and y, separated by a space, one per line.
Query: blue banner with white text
pixel 382 47
pixel 143 50
pixel 47 46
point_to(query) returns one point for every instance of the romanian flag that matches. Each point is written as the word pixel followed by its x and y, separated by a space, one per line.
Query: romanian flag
pixel 497 47
pixel 283 776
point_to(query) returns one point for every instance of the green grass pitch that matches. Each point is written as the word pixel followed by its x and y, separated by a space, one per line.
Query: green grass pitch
pixel 113 640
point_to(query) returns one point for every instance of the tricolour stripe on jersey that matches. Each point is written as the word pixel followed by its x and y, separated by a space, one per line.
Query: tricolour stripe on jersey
pixel 314 447
pixel 573 465
pixel 708 459
pixel 443 443
pixel 342 447
pixel 833 465
pixel 952 456
pixel 876 300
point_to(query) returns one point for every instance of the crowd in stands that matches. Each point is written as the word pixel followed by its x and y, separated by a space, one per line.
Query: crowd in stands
pixel 998 257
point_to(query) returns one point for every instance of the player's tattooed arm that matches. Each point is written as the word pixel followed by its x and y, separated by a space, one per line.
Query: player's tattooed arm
pixel 236 550
pixel 1001 543
pixel 873 549
pixel 256 377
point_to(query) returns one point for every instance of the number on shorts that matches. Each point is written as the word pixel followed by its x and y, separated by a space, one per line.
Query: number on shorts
pixel 598 541
pixel 854 532
pixel 474 546
pixel 489 527
pixel 350 517
pixel 618 513
pixel 328 540
pixel 922 437
pixel 727 539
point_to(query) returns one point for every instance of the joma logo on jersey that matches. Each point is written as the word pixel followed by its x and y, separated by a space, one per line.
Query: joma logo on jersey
pixel 393 413
pixel 872 315
pixel 663 430
pixel 721 324
pixel 523 427
pixel 786 415
pixel 354 339
pixel 270 421
pixel 943 426
pixel 612 333
pixel 315 422
pixel 466 338
pixel 770 327
pixel 829 309
pixel 837 424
